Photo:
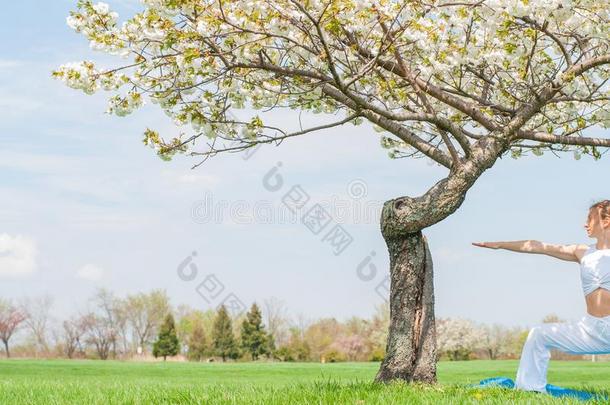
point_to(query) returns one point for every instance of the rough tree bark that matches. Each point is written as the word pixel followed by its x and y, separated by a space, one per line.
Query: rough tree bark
pixel 411 346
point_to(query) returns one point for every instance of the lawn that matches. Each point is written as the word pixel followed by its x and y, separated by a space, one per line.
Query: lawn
pixel 113 382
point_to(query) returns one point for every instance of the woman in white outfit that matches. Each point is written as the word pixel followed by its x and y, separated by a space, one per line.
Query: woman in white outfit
pixel 590 334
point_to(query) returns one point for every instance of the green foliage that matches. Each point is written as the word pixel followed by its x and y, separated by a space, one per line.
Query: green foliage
pixel 596 153
pixel 284 353
pixel 167 343
pixel 254 338
pixel 165 150
pixel 296 350
pixel 516 153
pixel 198 345
pixel 143 309
pixel 292 352
pixel 459 354
pixel 377 355
pixel 333 356
pixel 223 341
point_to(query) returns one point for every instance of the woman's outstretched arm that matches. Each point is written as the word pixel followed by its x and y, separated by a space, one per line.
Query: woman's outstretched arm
pixel 571 253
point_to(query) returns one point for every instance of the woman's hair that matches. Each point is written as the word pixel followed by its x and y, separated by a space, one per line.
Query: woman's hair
pixel 602 208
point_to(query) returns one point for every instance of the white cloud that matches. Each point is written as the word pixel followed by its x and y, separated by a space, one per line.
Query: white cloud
pixel 17 255
pixel 90 272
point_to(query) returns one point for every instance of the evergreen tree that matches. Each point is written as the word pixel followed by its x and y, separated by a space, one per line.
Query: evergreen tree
pixel 167 343
pixel 198 345
pixel 254 338
pixel 223 340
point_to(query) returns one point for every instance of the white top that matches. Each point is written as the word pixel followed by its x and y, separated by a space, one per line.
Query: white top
pixel 595 269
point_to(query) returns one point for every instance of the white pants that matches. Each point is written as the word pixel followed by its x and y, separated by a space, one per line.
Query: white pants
pixel 589 335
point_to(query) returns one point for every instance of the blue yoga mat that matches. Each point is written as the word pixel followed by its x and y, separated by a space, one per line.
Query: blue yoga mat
pixel 551 389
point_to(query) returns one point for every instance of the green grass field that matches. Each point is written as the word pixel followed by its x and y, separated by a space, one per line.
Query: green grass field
pixel 113 382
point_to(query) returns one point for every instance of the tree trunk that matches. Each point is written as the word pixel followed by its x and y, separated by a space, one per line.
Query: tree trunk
pixel 8 354
pixel 411 345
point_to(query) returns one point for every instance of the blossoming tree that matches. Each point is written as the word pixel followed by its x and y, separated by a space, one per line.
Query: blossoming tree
pixel 458 337
pixel 460 83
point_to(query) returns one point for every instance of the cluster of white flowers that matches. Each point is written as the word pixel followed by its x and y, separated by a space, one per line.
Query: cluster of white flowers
pixel 172 59
pixel 603 117
pixel 203 127
pixel 98 15
pixel 112 81
pixel 79 75
pixel 124 105
pixel 163 7
pixel 99 25
pixel 154 33
pixel 84 76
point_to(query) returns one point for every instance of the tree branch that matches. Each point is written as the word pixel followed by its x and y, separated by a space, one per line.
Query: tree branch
pixel 563 139
pixel 393 127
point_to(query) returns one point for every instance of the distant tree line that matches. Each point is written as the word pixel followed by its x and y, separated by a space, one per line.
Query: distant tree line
pixel 146 324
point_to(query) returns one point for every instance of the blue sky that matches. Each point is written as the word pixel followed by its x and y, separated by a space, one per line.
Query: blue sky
pixel 86 204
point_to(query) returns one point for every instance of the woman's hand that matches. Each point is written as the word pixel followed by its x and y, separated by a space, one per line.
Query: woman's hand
pixel 491 245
